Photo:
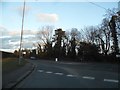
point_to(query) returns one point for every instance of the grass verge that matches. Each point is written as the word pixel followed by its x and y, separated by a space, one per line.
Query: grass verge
pixel 11 64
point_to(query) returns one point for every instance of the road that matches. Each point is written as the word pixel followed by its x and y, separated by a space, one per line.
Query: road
pixel 51 74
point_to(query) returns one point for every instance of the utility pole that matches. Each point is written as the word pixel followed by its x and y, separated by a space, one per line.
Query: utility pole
pixel 20 52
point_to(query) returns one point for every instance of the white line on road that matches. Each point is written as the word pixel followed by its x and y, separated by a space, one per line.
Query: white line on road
pixel 111 80
pixel 40 70
pixel 69 75
pixel 59 73
pixel 87 77
pixel 49 72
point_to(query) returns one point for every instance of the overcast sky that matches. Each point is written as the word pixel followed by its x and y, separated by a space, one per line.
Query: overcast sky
pixel 65 15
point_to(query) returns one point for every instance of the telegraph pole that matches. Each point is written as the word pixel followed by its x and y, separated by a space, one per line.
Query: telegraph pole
pixel 20 52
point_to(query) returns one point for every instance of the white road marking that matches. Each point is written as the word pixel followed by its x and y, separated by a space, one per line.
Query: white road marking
pixel 111 80
pixel 40 70
pixel 59 73
pixel 69 75
pixel 49 72
pixel 87 77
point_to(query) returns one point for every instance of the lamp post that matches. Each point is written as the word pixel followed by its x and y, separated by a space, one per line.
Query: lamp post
pixel 20 52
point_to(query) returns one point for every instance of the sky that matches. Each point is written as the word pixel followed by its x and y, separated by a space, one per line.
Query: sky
pixel 65 15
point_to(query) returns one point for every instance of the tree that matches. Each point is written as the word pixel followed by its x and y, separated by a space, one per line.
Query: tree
pixel 45 34
pixel 16 53
pixel 59 42
pixel 74 40
pixel 26 53
pixel 88 51
pixel 114 24
pixel 106 36
pixel 88 35
pixel 45 37
pixel 33 53
pixel 100 36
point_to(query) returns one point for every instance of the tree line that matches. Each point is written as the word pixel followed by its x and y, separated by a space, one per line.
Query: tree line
pixel 93 43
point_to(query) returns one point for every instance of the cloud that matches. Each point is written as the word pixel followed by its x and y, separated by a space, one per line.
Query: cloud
pixel 1 37
pixel 14 33
pixel 14 43
pixel 11 40
pixel 48 18
pixel 18 32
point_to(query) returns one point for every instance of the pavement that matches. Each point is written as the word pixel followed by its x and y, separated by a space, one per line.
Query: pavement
pixel 11 79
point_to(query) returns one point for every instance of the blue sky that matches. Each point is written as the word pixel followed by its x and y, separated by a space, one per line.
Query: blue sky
pixel 65 15
pixel 69 14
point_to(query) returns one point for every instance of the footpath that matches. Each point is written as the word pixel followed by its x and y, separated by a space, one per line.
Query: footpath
pixel 11 79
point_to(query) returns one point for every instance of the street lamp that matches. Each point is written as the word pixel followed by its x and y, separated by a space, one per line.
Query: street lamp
pixel 20 52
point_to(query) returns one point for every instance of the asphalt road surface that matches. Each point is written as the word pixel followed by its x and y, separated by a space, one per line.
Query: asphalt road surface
pixel 51 74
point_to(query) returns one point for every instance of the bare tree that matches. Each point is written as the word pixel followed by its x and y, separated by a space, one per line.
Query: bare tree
pixel 45 34
pixel 90 34
pixel 99 35
pixel 106 35
pixel 45 38
pixel 114 17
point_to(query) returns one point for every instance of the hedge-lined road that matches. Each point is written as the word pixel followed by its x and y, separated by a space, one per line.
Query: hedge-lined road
pixel 50 74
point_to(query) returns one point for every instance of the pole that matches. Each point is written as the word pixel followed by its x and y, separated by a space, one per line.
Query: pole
pixel 20 52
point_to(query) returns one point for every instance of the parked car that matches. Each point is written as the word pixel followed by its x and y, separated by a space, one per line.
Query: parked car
pixel 32 58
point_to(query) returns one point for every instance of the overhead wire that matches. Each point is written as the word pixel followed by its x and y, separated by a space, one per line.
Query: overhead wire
pixel 98 5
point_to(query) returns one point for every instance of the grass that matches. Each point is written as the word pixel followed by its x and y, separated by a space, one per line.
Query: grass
pixel 11 64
